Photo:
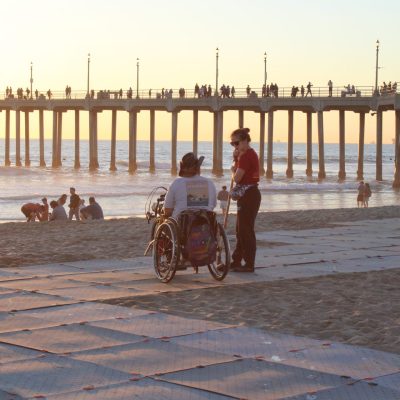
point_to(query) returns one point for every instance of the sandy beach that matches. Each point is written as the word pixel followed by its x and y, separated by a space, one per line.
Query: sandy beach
pixel 50 242
pixel 358 308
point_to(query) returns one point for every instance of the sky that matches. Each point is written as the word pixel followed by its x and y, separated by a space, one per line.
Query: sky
pixel 175 40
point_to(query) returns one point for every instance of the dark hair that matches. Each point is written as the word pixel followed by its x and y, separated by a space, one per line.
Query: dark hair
pixel 224 187
pixel 91 199
pixel 53 204
pixel 243 134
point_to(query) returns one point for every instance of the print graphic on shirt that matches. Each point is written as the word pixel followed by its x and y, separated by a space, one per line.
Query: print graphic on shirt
pixel 197 194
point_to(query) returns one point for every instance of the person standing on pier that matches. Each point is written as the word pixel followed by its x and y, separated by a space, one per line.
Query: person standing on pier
pixel 330 87
pixel 246 176
pixel 309 89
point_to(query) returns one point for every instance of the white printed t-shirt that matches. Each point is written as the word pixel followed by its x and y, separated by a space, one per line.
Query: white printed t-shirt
pixel 196 192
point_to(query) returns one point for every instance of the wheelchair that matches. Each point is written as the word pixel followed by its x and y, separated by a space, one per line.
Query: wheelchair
pixel 169 240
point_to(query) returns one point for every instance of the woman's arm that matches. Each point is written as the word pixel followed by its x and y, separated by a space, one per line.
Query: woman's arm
pixel 239 175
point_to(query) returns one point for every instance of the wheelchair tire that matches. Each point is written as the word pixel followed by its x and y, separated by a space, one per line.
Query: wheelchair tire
pixel 166 251
pixel 219 269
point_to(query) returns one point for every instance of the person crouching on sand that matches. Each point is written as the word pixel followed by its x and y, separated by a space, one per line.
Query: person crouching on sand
pixel 31 211
pixel 246 176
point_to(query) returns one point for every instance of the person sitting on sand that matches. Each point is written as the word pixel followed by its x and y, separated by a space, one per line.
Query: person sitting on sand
pixel 360 195
pixel 92 211
pixel 62 200
pixel 190 190
pixel 31 211
pixel 44 215
pixel 58 213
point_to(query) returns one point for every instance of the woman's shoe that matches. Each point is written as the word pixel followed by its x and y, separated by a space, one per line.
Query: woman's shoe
pixel 244 268
pixel 235 265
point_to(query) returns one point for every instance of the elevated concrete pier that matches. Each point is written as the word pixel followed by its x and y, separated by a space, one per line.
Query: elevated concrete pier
pixel 216 105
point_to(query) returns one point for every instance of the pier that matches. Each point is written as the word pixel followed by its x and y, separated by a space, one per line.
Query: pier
pixel 363 103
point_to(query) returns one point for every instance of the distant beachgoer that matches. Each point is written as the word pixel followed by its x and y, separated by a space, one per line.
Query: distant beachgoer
pixel 248 90
pixel 92 211
pixel 309 89
pixel 330 86
pixel 302 91
pixel 360 195
pixel 246 176
pixel 62 200
pixel 367 194
pixel 58 213
pixel 31 211
pixel 44 215
pixel 223 196
pixel 74 201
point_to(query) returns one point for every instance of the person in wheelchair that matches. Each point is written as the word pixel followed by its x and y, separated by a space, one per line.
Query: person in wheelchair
pixel 190 191
pixel 188 232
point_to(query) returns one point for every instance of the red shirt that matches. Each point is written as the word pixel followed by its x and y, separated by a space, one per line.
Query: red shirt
pixel 248 161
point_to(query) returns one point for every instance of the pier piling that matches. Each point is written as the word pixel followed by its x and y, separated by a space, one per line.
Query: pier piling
pixel 342 157
pixel 7 161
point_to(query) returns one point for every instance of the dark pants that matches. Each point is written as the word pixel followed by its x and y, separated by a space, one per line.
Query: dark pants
pixel 248 207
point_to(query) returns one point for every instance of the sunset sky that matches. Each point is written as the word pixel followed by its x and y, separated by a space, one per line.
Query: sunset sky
pixel 309 40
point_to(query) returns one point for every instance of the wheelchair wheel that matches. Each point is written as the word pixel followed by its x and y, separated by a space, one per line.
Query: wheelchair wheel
pixel 165 251
pixel 220 267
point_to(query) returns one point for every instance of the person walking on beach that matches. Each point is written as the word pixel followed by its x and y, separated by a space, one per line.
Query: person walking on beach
pixel 74 202
pixel 246 176
pixel 360 194
pixel 222 197
pixel 367 194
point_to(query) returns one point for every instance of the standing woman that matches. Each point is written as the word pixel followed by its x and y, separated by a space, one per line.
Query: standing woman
pixel 246 177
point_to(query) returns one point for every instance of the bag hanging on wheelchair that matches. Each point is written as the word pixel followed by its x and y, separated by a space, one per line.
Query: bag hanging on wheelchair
pixel 201 245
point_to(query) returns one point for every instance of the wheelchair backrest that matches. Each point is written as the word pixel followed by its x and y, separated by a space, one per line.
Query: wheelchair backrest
pixel 198 239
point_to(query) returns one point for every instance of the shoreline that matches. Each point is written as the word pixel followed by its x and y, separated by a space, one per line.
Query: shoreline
pixel 55 242
pixel 388 209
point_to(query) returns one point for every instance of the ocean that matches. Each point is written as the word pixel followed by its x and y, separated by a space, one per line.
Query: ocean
pixel 123 195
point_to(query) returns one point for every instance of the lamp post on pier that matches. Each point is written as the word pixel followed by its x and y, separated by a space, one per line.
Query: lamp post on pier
pixel 31 77
pixel 376 69
pixel 265 69
pixel 88 75
pixel 216 71
pixel 137 78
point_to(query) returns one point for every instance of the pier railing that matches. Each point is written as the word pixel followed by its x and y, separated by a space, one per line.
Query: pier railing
pixel 163 93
